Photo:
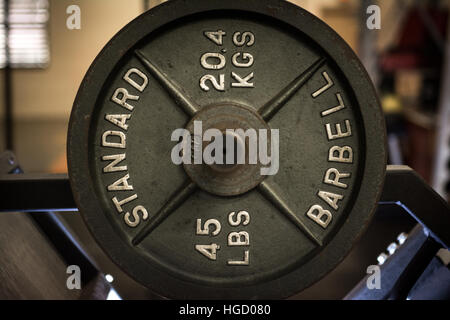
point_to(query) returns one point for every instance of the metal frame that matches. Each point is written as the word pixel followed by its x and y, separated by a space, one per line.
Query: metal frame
pixel 403 188
pixel 40 196
pixel 401 271
pixel 406 189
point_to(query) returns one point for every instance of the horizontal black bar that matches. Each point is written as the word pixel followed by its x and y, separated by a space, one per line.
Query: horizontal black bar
pixel 35 193
pixel 403 187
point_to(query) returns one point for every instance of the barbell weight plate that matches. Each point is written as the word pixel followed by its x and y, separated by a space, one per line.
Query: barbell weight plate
pixel 209 231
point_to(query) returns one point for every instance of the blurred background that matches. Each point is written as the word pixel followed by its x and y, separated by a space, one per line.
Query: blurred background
pixel 408 59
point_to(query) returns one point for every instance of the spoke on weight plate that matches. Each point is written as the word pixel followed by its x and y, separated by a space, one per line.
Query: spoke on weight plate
pixel 275 104
pixel 268 191
pixel 174 202
pixel 181 99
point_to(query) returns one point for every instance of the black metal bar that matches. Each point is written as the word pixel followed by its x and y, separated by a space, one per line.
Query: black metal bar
pixel 7 74
pixel 36 193
pixel 405 188
pixel 65 244
pixel 401 271
pixel 44 191
pixel 414 269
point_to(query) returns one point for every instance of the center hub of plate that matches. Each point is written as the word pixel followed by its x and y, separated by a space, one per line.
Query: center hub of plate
pixel 236 124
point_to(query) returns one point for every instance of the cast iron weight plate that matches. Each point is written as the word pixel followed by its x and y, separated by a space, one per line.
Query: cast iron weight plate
pixel 195 232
